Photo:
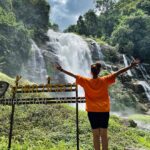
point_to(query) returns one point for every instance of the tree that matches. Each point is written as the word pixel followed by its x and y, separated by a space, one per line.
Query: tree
pixel 55 27
pixel 133 35
pixel 91 22
pixel 71 28
pixel 105 5
pixel 81 27
pixel 144 5
pixel 86 25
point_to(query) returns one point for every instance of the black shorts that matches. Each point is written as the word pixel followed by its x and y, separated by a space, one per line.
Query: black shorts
pixel 98 119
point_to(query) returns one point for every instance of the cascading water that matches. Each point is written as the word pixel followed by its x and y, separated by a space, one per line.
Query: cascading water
pixel 126 64
pixel 34 70
pixel 144 83
pixel 146 88
pixel 72 52
pixel 144 72
pixel 98 49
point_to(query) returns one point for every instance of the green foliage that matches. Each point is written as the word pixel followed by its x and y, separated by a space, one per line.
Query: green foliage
pixel 7 18
pixel 139 117
pixel 107 24
pixel 12 46
pixel 71 28
pixel 91 22
pixel 35 16
pixel 122 99
pixel 33 13
pixel 53 26
pixel 7 4
pixel 144 5
pixel 100 41
pixel 86 25
pixel 133 36
pixel 110 53
pixel 52 127
pixel 4 77
pixel 19 22
pixel 81 27
pixel 44 127
pixel 124 132
pixel 105 5
pixel 104 73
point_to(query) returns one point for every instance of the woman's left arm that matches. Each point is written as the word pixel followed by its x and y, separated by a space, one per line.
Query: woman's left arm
pixel 133 64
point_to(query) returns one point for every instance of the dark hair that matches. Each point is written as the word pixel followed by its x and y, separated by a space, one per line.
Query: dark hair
pixel 95 68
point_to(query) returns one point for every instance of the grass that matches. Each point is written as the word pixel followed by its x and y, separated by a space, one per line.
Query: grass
pixel 53 127
pixel 141 117
pixel 4 77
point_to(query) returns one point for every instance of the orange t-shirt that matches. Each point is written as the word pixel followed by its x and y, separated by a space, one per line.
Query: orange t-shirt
pixel 96 92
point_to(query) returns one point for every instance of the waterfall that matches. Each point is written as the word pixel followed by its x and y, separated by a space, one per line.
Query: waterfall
pixel 34 69
pixel 98 49
pixel 144 72
pixel 126 64
pixel 72 52
pixel 145 76
pixel 146 87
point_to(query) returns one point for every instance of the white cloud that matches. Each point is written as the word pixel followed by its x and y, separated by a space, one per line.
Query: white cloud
pixel 66 12
pixel 63 1
pixel 59 1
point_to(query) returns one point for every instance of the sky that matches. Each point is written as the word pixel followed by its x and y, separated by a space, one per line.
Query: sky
pixel 66 12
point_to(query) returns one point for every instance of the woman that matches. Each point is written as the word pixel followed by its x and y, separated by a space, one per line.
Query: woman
pixel 97 100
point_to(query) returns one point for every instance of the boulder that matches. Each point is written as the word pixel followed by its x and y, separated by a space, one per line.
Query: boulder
pixel 138 88
pixel 129 123
pixel 125 78
pixel 147 67
pixel 115 68
pixel 148 112
pixel 95 50
pixel 133 124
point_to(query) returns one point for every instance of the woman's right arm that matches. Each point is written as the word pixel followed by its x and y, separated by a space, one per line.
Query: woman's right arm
pixel 65 71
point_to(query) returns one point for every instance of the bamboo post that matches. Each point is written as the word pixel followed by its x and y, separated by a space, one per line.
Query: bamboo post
pixel 12 112
pixel 48 80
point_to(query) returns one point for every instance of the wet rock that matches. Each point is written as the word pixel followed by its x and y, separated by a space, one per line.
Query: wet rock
pixel 129 123
pixel 126 79
pixel 129 148
pixel 95 50
pixel 147 67
pixel 133 124
pixel 115 68
pixel 142 107
pixel 111 54
pixel 138 88
pixel 148 112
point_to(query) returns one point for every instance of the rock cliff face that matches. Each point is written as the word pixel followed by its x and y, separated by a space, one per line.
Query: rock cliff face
pixel 19 22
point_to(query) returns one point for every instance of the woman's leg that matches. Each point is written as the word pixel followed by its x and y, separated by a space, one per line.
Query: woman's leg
pixel 96 138
pixel 104 138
